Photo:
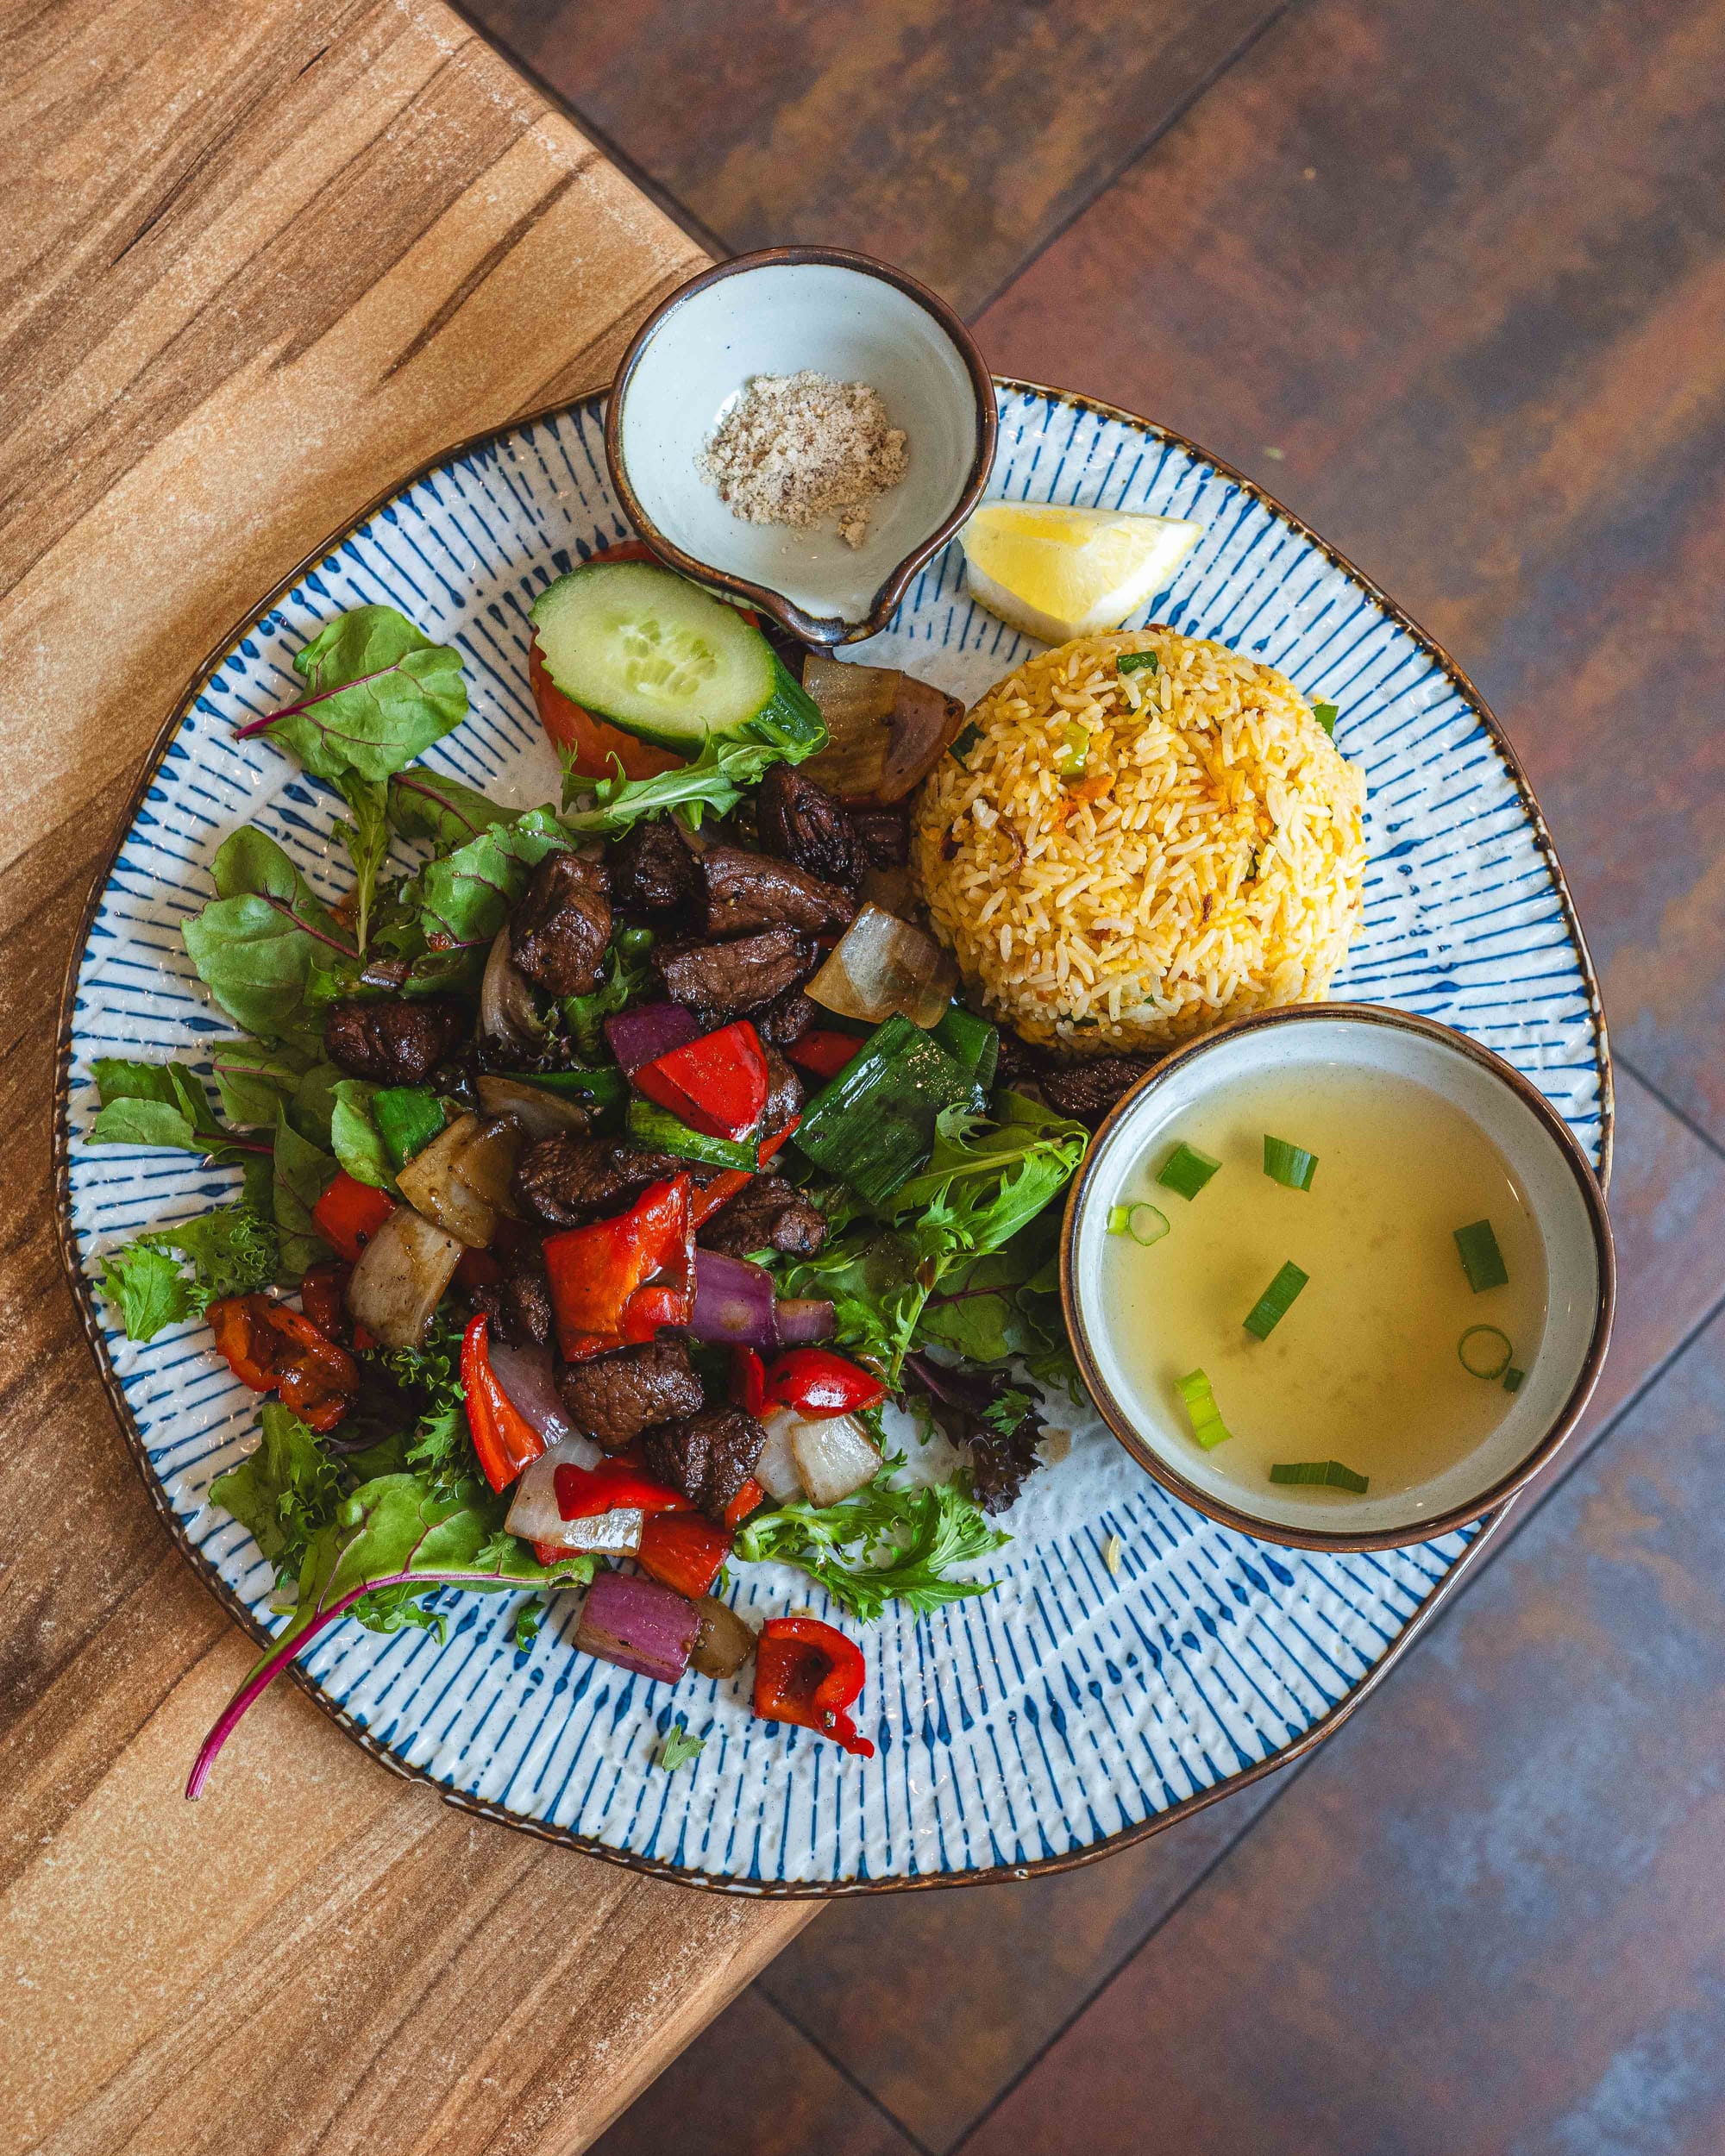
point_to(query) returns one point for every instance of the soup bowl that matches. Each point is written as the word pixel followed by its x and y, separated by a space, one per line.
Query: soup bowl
pixel 1563 1198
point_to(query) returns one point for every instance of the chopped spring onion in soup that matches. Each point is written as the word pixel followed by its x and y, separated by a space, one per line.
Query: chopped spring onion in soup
pixel 1513 1379
pixel 1483 1360
pixel 1273 1306
pixel 1145 1224
pixel 1187 1170
pixel 1207 1426
pixel 1331 1473
pixel 1481 1260
pixel 1291 1165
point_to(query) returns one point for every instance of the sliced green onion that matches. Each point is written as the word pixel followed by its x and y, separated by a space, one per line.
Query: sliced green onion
pixel 964 742
pixel 1208 1426
pixel 1289 1164
pixel 1073 757
pixel 1187 1170
pixel 1326 715
pixel 1273 1306
pixel 1329 1473
pixel 1513 1379
pixel 1145 1224
pixel 1481 1260
pixel 1138 662
pixel 1500 1364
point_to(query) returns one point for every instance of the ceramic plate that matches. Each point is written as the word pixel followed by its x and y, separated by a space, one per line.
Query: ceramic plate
pixel 1079 1705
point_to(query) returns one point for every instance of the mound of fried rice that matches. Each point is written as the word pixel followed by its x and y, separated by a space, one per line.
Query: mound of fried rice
pixel 1122 860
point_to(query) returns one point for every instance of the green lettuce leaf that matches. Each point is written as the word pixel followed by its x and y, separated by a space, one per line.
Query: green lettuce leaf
pixel 152 1104
pixel 231 1251
pixel 259 945
pixel 353 1136
pixel 286 1493
pixel 380 695
pixel 466 897
pixel 712 785
pixel 425 804
pixel 365 834
pixel 147 1289
pixel 303 1172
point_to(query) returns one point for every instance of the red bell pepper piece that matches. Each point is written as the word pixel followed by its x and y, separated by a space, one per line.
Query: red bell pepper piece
pixel 478 1268
pixel 245 1335
pixel 747 1498
pixel 816 1382
pixel 726 1185
pixel 272 1348
pixel 648 1310
pixel 808 1673
pixel 748 1381
pixel 323 1298
pixel 717 1084
pixel 349 1213
pixel 594 1271
pixel 825 1054
pixel 585 1492
pixel 505 1441
pixel 683 1551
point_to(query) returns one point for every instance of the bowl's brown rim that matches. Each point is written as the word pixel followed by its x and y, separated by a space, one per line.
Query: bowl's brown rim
pixel 1414 1531
pixel 828 629
pixel 772 1889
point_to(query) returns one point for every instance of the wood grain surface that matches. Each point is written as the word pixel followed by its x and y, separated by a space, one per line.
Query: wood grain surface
pixel 257 261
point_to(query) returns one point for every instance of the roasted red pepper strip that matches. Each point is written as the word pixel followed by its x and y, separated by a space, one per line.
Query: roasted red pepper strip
pixel 717 1084
pixel 683 1551
pixel 745 1502
pixel 323 1298
pixel 816 1382
pixel 825 1054
pixel 651 1309
pixel 748 1381
pixel 585 1492
pixel 808 1673
pixel 245 1335
pixel 270 1348
pixel 505 1441
pixel 349 1213
pixel 726 1185
pixel 594 1271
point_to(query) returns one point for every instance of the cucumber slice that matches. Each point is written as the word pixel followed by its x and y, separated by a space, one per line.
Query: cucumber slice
pixel 654 653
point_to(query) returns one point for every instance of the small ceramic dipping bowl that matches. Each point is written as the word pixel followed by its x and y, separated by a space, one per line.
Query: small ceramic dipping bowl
pixel 854 320
pixel 1562 1198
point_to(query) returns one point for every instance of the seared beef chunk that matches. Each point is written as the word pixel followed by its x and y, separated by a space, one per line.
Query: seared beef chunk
pixel 1087 1091
pixel 739 976
pixel 784 1091
pixel 767 1214
pixel 395 1042
pixel 651 869
pixel 615 1397
pixel 566 1179
pixel 787 1017
pixel 883 836
pixel 519 1304
pixel 1022 1062
pixel 560 929
pixel 805 825
pixel 709 1457
pixel 986 1413
pixel 747 891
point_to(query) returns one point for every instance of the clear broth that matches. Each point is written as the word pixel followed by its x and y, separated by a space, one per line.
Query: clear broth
pixel 1363 1368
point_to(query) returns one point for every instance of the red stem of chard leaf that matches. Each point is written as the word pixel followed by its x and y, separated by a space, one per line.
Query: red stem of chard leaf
pixel 267 1670
pixel 292 710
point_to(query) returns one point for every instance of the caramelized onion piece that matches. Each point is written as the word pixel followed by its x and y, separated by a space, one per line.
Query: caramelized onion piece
pixel 507 1011
pixel 460 1179
pixel 724 1641
pixel 401 1277
pixel 882 964
pixel 541 1114
pixel 886 729
pixel 926 723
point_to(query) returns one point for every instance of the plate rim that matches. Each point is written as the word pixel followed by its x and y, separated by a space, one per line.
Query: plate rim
pixel 652 1867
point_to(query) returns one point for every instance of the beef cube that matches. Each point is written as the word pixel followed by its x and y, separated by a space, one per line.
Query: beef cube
pixel 708 1457
pixel 615 1397
pixel 745 892
pixel 394 1041
pixel 1085 1091
pixel 882 836
pixel 767 1214
pixel 787 1017
pixel 739 976
pixel 807 826
pixel 519 1304
pixel 652 871
pixel 565 1179
pixel 560 929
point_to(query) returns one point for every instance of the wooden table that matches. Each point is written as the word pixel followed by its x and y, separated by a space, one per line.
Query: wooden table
pixel 259 260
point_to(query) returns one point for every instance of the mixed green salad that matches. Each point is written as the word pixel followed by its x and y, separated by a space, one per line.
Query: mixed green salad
pixel 606 1169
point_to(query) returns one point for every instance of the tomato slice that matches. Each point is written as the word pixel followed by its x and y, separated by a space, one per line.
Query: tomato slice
pixel 597 748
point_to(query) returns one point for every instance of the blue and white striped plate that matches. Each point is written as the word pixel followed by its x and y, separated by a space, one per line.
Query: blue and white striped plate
pixel 1078 1705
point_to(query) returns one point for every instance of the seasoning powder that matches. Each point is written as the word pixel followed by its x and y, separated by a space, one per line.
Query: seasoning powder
pixel 797 447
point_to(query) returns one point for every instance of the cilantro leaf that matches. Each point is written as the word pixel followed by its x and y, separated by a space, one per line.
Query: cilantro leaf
pixel 380 695
pixel 678 1749
pixel 886 1542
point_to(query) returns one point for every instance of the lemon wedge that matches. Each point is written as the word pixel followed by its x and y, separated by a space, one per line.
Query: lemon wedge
pixel 1056 572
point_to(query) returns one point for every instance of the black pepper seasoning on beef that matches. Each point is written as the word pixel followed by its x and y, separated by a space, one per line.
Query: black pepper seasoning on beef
pixel 565 1180
pixel 708 1457
pixel 652 871
pixel 392 1041
pixel 738 976
pixel 808 826
pixel 767 1214
pixel 519 1304
pixel 787 1017
pixel 745 892
pixel 1085 1091
pixel 784 1092
pixel 615 1397
pixel 883 836
pixel 561 926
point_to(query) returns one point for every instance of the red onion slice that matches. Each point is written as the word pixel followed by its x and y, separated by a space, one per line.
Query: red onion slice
pixel 651 1029
pixel 734 1305
pixel 639 1625
pixel 533 1510
pixel 525 1375
pixel 802 1320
